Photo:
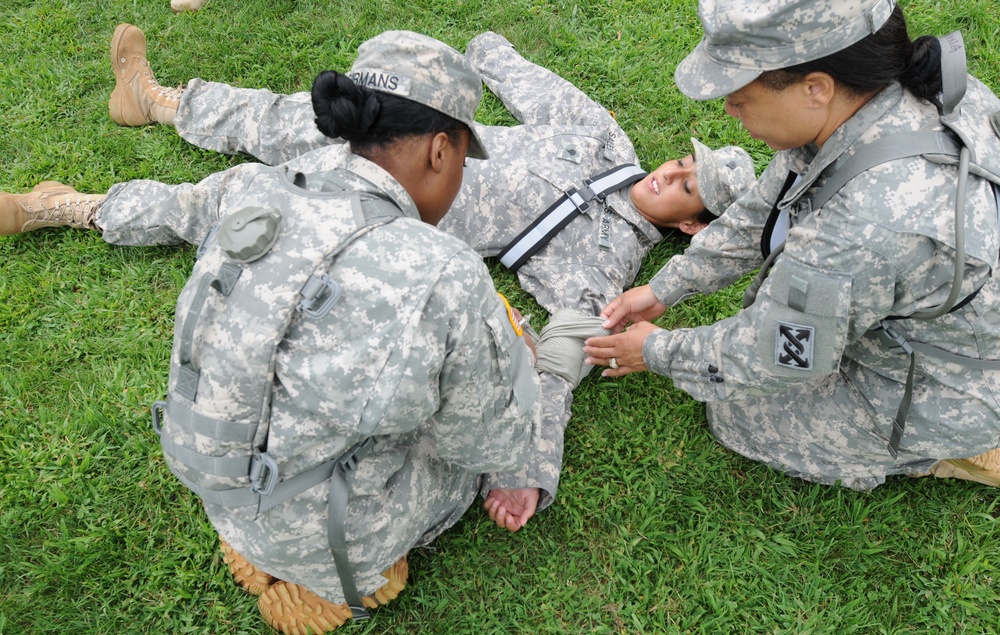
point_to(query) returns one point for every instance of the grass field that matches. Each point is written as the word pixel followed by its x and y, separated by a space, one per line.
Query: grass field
pixel 656 528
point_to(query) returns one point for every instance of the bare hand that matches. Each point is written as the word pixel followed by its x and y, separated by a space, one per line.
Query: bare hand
pixel 634 306
pixel 511 508
pixel 623 350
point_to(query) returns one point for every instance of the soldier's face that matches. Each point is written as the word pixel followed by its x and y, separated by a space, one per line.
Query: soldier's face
pixel 783 119
pixel 668 196
pixel 443 194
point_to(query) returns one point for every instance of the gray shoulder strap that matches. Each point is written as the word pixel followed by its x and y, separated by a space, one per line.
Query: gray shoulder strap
pixel 954 71
pixel 898 146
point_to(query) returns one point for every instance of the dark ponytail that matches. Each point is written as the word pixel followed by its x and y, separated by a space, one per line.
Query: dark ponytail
pixel 922 76
pixel 343 109
pixel 868 66
pixel 371 120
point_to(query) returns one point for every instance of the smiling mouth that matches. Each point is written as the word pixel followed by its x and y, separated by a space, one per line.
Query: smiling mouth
pixel 653 185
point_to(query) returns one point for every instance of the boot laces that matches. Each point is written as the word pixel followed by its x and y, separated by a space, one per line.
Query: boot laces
pixel 170 94
pixel 65 209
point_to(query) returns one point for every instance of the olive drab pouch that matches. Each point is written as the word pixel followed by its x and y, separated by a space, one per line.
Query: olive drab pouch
pixel 263 267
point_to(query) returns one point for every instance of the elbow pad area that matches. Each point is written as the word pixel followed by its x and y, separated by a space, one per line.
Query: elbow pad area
pixel 803 322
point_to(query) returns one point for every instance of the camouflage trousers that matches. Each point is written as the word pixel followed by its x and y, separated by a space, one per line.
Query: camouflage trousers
pixel 217 117
pixel 828 432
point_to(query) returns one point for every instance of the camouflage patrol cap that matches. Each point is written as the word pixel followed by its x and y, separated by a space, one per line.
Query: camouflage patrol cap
pixel 744 38
pixel 723 175
pixel 424 70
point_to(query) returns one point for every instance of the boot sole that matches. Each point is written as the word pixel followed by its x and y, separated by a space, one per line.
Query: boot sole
pixel 966 470
pixel 121 97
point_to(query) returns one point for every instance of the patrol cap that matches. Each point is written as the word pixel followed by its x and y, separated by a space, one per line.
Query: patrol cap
pixel 424 70
pixel 744 38
pixel 723 175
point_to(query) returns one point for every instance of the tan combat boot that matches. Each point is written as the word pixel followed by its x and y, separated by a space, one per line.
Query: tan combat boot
pixel 984 468
pixel 246 575
pixel 295 610
pixel 49 204
pixel 186 5
pixel 138 99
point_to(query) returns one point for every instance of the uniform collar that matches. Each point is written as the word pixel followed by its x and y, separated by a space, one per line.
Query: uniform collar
pixel 811 162
pixel 373 178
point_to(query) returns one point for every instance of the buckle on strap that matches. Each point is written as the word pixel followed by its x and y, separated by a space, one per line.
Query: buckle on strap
pixel 336 534
pixel 349 460
pixel 579 199
pixel 263 474
pixel 157 410
pixel 319 295
pixel 894 338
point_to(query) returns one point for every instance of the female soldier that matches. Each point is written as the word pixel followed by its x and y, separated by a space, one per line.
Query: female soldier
pixel 802 378
pixel 419 353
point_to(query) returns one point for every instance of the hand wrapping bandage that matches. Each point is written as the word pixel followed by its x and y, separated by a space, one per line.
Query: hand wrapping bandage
pixel 560 344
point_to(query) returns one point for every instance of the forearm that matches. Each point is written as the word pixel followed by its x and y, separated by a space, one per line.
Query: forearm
pixel 545 466
pixel 532 93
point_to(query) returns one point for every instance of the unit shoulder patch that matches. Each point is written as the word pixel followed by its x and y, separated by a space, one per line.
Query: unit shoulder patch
pixel 793 345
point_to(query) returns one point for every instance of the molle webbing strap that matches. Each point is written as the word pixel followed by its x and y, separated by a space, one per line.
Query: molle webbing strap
pixel 566 208
pixel 214 422
pixel 337 512
pixel 223 282
pixel 897 146
pixel 896 341
pixel 954 71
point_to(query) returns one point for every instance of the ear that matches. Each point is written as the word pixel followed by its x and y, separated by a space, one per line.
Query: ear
pixel 691 227
pixel 438 148
pixel 820 88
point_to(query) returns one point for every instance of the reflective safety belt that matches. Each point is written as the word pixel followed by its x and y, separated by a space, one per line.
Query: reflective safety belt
pixel 568 207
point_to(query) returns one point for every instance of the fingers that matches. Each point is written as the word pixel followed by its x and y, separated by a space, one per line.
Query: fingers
pixel 601 350
pixel 499 515
pixel 621 353
pixel 621 371
pixel 511 509
pixel 615 315
pixel 503 519
pixel 529 510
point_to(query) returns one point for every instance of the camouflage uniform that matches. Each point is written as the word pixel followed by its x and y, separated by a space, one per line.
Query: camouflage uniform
pixel 882 246
pixel 448 397
pixel 567 137
pixel 418 353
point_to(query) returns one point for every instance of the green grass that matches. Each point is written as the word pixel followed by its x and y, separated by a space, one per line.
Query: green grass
pixel 656 528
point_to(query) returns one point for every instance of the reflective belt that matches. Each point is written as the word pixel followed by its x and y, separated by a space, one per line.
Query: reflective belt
pixel 560 213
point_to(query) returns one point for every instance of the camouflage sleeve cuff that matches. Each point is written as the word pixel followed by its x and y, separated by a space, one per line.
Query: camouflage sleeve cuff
pixel 484 42
pixel 653 349
pixel 663 285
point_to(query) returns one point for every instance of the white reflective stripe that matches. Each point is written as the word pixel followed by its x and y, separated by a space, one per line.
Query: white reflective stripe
pixel 611 180
pixel 540 230
pixel 548 223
